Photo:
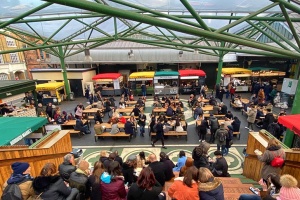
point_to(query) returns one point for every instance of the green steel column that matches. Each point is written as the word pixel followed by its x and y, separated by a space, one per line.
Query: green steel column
pixel 289 135
pixel 220 65
pixel 64 71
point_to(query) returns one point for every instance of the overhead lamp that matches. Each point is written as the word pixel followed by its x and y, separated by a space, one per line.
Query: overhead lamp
pixel 180 53
pixel 87 56
pixel 130 53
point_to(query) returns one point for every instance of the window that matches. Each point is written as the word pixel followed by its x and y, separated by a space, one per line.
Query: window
pixel 14 58
pixel 1 59
pixel 3 76
pixel 10 42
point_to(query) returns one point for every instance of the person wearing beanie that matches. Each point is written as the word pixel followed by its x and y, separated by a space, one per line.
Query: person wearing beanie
pixel 289 189
pixel 220 167
pixel 21 176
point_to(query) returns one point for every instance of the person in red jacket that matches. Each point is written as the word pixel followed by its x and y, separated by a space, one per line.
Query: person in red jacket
pixel 112 183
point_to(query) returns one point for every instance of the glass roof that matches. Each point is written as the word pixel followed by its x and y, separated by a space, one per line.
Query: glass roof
pixel 67 23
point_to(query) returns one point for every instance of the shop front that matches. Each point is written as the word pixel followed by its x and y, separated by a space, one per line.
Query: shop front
pixel 240 78
pixel 137 79
pixel 53 92
pixel 166 82
pixel 191 81
pixel 111 83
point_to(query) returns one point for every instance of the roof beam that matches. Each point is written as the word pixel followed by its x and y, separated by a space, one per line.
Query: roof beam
pixel 40 7
pixel 224 28
pixel 59 29
pixel 288 5
pixel 285 14
pixel 208 47
pixel 195 14
pixel 54 45
pixel 173 26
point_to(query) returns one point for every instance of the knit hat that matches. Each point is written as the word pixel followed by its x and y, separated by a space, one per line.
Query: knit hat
pixel 292 193
pixel 19 167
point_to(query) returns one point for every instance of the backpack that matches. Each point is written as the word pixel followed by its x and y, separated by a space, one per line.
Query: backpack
pixel 277 161
pixel 12 192
pixel 222 137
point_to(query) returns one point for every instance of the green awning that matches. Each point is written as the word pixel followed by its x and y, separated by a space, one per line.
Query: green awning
pixel 166 73
pixel 263 69
pixel 16 128
pixel 14 87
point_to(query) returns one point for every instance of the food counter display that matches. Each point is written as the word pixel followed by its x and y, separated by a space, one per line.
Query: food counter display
pixel 191 80
pixel 110 83
pixel 239 76
pixel 137 79
pixel 166 82
pixel 52 92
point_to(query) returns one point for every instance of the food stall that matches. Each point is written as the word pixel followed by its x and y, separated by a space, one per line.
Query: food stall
pixel 239 76
pixel 12 94
pixel 136 79
pixel 110 83
pixel 53 92
pixel 271 74
pixel 166 82
pixel 188 77
pixel 18 128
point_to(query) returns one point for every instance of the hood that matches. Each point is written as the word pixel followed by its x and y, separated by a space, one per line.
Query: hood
pixel 42 183
pixel 210 186
pixel 105 178
pixel 274 148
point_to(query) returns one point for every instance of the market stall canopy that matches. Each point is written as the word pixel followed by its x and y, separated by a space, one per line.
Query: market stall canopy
pixel 49 86
pixel 263 69
pixel 141 76
pixel 166 75
pixel 291 122
pixel 107 76
pixel 191 72
pixel 17 128
pixel 10 88
pixel 235 71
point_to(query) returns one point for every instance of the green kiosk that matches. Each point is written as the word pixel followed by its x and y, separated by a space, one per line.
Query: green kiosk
pixel 166 82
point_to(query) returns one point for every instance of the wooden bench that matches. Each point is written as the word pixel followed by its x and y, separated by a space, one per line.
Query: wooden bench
pixel 108 134
pixel 237 133
pixel 72 131
pixel 172 133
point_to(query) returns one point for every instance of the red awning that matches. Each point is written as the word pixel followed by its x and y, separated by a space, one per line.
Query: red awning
pixel 191 72
pixel 107 76
pixel 292 122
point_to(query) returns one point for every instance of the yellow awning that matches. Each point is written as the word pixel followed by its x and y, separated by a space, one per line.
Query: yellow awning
pixel 142 75
pixel 235 71
pixel 49 86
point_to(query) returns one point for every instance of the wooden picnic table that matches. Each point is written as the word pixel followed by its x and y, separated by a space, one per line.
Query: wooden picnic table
pixel 71 123
pixel 91 111
pixel 198 122
pixel 159 110
pixel 207 108
pixel 108 125
pixel 125 110
pixel 130 102
pixel 204 100
pixel 245 101
pixel 172 101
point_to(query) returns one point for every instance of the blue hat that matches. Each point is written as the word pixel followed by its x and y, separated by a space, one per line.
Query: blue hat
pixel 19 167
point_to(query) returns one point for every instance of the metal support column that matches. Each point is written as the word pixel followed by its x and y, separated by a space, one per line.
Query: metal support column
pixel 220 65
pixel 64 71
pixel 289 135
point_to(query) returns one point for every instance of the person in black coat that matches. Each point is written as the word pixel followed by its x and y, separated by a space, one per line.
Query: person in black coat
pixel 67 167
pixel 98 117
pixel 128 170
pixel 202 128
pixel 169 165
pixel 50 186
pixel 159 134
pixel 220 167
pixel 128 127
pixel 146 187
pixel 269 118
pixel 236 124
pixel 93 183
pixel 199 154
pixel 158 169
pixel 223 109
pixel 118 158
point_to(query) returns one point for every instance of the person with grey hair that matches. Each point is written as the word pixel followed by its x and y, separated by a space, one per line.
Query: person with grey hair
pixel 67 167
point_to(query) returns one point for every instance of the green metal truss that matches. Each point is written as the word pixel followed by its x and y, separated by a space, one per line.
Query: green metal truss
pixel 216 40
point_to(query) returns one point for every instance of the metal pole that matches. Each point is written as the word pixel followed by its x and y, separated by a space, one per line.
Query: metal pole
pixel 64 71
pixel 220 64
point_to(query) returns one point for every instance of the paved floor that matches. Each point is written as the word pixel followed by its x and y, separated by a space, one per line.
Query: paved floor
pixel 88 140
